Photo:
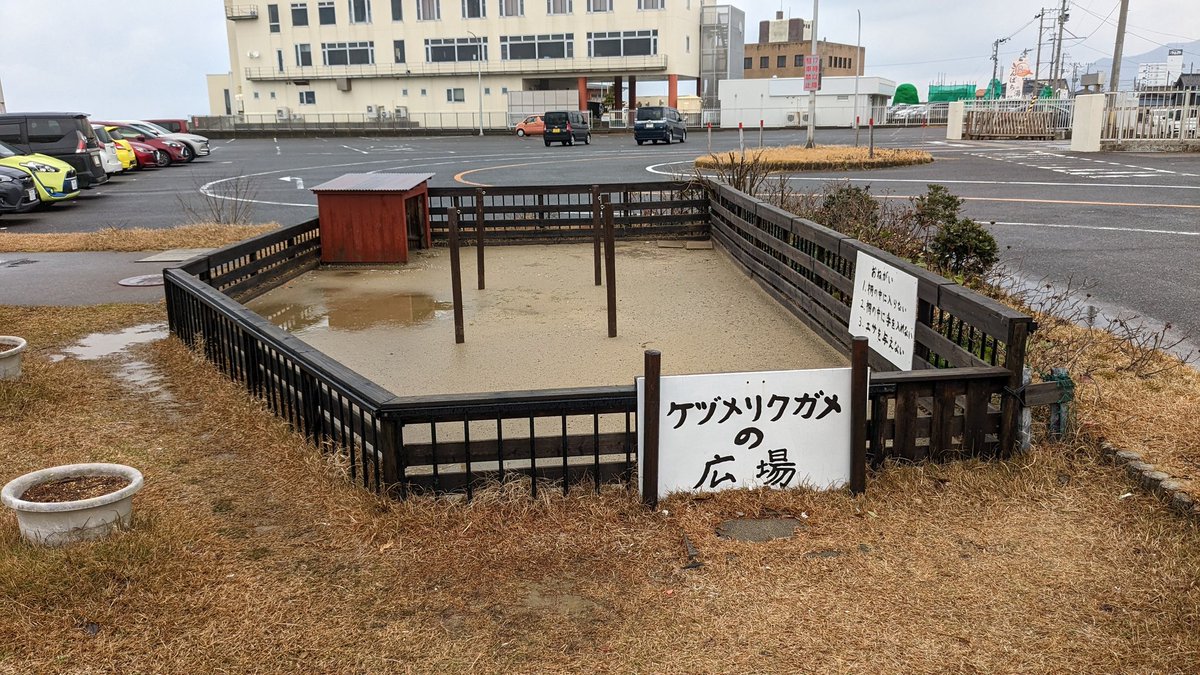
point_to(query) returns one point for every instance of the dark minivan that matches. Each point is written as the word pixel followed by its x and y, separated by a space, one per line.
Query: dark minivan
pixel 566 127
pixel 65 136
pixel 659 123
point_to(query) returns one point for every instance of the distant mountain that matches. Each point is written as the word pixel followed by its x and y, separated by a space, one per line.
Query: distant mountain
pixel 1129 64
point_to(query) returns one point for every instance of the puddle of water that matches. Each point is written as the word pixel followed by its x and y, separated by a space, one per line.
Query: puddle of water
pixel 309 309
pixel 100 345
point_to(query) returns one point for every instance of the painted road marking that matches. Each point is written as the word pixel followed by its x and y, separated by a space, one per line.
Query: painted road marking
pixel 1139 230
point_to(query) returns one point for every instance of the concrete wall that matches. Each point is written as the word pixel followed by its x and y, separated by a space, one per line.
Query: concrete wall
pixel 782 102
pixel 955 116
pixel 1088 123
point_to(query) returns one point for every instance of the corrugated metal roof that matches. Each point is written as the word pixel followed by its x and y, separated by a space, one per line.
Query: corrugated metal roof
pixel 374 182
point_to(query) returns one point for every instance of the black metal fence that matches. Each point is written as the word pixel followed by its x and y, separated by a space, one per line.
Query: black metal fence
pixel 958 406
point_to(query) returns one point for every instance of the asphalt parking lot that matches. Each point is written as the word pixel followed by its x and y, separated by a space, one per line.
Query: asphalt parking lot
pixel 1128 222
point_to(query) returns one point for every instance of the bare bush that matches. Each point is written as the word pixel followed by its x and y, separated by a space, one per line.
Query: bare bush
pixel 228 201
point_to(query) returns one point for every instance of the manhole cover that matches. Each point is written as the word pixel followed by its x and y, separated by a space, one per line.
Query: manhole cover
pixel 758 529
pixel 143 280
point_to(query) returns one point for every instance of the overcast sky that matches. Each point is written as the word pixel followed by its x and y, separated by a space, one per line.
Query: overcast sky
pixel 67 54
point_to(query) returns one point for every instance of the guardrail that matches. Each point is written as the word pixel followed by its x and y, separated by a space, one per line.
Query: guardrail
pixel 958 404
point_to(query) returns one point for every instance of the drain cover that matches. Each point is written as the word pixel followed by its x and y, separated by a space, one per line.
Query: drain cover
pixel 143 280
pixel 758 529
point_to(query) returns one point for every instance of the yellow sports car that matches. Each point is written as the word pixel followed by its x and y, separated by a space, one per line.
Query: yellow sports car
pixel 54 179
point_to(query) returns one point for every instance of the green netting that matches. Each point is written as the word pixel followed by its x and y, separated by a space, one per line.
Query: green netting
pixel 951 92
pixel 906 93
pixel 994 91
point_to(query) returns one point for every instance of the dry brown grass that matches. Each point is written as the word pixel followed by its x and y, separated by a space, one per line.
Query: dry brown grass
pixel 251 553
pixel 821 158
pixel 206 235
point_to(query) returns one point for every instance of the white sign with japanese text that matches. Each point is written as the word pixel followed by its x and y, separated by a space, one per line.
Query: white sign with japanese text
pixel 885 309
pixel 780 429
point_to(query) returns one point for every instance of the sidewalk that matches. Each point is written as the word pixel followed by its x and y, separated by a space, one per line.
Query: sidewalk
pixel 75 278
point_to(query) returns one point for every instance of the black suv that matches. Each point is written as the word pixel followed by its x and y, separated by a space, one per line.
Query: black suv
pixel 65 136
pixel 566 126
pixel 659 123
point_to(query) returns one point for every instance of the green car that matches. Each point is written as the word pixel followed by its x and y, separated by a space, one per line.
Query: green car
pixel 54 179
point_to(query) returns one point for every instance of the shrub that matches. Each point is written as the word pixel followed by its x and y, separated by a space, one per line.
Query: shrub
pixel 964 248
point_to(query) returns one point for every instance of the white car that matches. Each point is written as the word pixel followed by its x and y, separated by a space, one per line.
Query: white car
pixel 197 146
pixel 108 151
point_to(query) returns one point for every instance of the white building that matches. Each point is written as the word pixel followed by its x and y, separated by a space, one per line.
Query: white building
pixel 444 60
pixel 783 102
pixel 1161 74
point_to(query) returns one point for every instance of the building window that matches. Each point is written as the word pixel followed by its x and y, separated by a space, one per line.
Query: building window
pixel 748 63
pixel 487 91
pixel 600 5
pixel 308 98
pixel 273 18
pixel 397 10
pixel 272 96
pixel 404 92
pixel 360 11
pixel 558 6
pixel 522 47
pixel 279 59
pixel 652 4
pixel 256 96
pixel 429 10
pixel 440 50
pixel 303 55
pixel 687 44
pixel 299 13
pixel 398 50
pixel 326 13
pixel 512 7
pixel 474 9
pixel 781 62
pixel 503 90
pixel 798 61
pixel 764 62
pixel 626 43
pixel 455 95
pixel 347 53
pixel 423 92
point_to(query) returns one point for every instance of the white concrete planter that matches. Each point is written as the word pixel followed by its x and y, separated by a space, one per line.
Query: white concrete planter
pixel 59 523
pixel 10 357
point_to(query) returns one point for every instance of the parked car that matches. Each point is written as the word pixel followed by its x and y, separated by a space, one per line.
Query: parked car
pixel 53 179
pixel 145 156
pixel 197 145
pixel 531 126
pixel 175 126
pixel 175 151
pixel 566 127
pixel 65 136
pixel 112 163
pixel 17 193
pixel 659 123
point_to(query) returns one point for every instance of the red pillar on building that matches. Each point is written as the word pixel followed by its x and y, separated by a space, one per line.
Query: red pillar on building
pixel 632 95
pixel 618 94
pixel 673 91
pixel 583 94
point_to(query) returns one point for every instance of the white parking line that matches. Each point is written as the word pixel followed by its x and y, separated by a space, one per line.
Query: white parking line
pixel 1138 230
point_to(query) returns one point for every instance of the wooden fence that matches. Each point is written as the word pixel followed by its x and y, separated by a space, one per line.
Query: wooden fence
pixel 564 213
pixel 970 348
pixel 957 403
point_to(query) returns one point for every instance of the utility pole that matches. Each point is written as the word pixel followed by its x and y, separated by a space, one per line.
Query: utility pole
pixel 1116 67
pixel 996 62
pixel 479 72
pixel 1056 73
pixel 1037 63
pixel 812 95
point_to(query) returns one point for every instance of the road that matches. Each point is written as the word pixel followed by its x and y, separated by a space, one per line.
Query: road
pixel 1129 223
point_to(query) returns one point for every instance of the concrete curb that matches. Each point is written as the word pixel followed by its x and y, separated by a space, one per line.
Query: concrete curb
pixel 1149 478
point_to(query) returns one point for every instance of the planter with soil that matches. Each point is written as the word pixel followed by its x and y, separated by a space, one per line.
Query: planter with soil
pixel 10 356
pixel 71 503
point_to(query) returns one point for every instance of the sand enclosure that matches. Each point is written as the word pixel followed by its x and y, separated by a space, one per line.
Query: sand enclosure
pixel 541 321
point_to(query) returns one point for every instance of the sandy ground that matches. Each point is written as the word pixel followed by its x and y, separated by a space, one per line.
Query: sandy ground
pixel 541 322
